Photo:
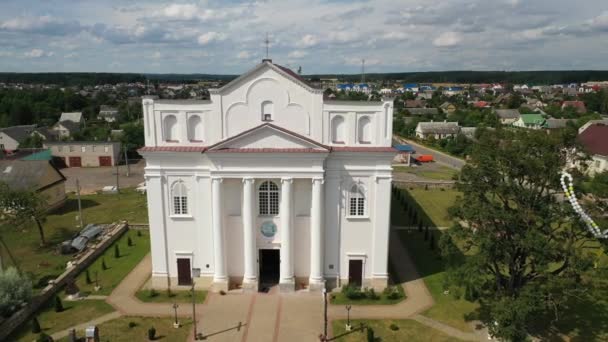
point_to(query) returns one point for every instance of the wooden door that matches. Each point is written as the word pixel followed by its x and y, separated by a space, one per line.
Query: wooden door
pixel 355 272
pixel 75 162
pixel 184 276
pixel 105 161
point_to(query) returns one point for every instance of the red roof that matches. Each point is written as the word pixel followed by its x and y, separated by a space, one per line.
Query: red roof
pixel 199 149
pixel 481 104
pixel 579 105
pixel 595 139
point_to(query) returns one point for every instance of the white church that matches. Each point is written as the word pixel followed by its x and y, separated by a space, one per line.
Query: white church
pixel 268 184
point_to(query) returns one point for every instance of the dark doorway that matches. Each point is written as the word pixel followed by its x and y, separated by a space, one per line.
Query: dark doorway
pixel 75 162
pixel 183 272
pixel 270 265
pixel 105 161
pixel 355 272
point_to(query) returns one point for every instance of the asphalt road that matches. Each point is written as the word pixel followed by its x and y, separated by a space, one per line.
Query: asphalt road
pixel 438 156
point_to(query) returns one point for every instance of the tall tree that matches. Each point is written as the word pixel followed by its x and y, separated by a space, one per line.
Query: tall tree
pixel 21 206
pixel 524 249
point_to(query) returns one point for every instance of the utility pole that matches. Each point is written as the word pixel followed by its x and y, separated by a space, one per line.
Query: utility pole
pixel 127 163
pixel 79 203
pixel 117 185
pixel 194 311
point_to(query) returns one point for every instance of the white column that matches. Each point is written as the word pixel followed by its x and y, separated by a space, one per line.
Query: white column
pixel 249 245
pixel 220 278
pixel 316 236
pixel 381 226
pixel 287 280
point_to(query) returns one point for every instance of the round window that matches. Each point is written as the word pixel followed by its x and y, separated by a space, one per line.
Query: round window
pixel 269 229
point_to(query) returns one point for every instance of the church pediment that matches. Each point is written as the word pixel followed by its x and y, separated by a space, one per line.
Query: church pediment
pixel 268 137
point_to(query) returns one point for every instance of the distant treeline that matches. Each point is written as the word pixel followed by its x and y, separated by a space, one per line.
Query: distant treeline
pixel 70 78
pixel 530 77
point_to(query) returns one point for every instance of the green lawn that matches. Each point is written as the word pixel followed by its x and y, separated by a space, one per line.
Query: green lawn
pixel 149 296
pixel 118 330
pixel 434 202
pixel 439 172
pixel 74 313
pixel 44 263
pixel 408 330
pixel 117 268
pixel 447 309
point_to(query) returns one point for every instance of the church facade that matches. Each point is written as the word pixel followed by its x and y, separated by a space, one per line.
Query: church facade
pixel 267 183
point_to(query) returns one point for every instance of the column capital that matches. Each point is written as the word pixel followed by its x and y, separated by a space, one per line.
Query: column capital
pixel 318 179
pixel 248 180
pixel 287 180
pixel 217 179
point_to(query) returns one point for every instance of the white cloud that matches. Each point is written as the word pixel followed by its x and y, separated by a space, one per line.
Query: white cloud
pixel 210 37
pixel 358 61
pixel 181 11
pixel 297 54
pixel 448 39
pixel 37 53
pixel 243 55
pixel 394 35
pixel 600 22
pixel 308 41
pixel 343 36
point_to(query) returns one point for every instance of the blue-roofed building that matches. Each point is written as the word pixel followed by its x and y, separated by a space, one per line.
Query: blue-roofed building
pixel 344 87
pixel 411 87
pixel 427 88
pixel 405 153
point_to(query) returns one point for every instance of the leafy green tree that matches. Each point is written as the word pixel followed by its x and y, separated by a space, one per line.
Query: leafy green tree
pixel 525 253
pixel 132 136
pixel 33 141
pixel 15 289
pixel 23 205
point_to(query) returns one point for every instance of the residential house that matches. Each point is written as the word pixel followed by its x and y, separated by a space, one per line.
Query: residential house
pixel 578 105
pixel 85 153
pixel 468 132
pixel 535 103
pixel 592 122
pixel 451 91
pixel 107 113
pixel 507 116
pixel 35 175
pixel 422 111
pixel 481 104
pixel 415 104
pixel 448 108
pixel 594 139
pixel 530 121
pixel 437 130
pixel 68 124
pixel 411 87
pixel 11 137
pixel 552 123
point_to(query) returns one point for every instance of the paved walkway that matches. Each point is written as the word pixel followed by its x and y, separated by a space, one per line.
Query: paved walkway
pixel 260 317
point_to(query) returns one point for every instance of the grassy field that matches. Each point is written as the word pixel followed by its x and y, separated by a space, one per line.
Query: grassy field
pixel 74 313
pixel 408 330
pixel 435 203
pixel 118 330
pixel 44 263
pixel 117 268
pixel 175 297
pixel 437 172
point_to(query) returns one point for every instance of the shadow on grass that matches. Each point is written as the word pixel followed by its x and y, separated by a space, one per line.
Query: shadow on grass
pixel 71 204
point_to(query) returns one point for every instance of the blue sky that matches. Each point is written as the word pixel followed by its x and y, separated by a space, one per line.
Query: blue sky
pixel 322 36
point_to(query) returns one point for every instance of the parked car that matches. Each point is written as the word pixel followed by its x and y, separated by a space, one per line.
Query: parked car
pixel 425 158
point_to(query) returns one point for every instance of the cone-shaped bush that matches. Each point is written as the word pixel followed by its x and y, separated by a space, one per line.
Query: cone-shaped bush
pixel 35 326
pixel 58 304
pixel 116 251
pixel 426 233
pixel 87 276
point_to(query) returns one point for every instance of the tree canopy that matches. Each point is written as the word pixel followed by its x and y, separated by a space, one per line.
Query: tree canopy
pixel 523 245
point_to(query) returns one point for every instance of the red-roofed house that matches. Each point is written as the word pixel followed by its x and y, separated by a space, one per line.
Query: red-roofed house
pixel 481 104
pixel 579 105
pixel 595 142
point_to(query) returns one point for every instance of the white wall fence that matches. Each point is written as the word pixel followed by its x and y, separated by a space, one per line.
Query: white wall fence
pixel 80 264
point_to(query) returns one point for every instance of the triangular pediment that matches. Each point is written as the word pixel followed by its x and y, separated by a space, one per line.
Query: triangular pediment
pixel 268 137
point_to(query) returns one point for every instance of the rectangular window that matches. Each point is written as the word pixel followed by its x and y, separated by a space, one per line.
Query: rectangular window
pixel 264 203
pixel 180 205
pixel 357 206
pixel 93 148
pixel 60 148
pixel 273 205
pixel 106 149
pixel 71 148
pixel 83 148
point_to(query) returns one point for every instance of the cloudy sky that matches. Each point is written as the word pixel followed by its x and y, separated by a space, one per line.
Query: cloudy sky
pixel 322 36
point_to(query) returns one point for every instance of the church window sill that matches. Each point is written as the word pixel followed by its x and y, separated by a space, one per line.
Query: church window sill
pixel 196 141
pixel 182 217
pixel 357 218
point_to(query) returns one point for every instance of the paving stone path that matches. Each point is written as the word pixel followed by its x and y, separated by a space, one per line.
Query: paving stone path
pixel 297 316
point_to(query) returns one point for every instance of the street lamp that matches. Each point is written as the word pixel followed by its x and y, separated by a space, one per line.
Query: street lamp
pixel 348 326
pixel 175 323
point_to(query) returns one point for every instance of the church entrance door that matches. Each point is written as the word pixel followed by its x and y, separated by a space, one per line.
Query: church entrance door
pixel 183 272
pixel 269 267
pixel 355 272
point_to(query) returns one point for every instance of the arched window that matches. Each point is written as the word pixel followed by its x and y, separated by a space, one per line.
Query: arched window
pixel 337 130
pixel 365 130
pixel 267 111
pixel 195 128
pixel 356 206
pixel 268 195
pixel 170 128
pixel 179 193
